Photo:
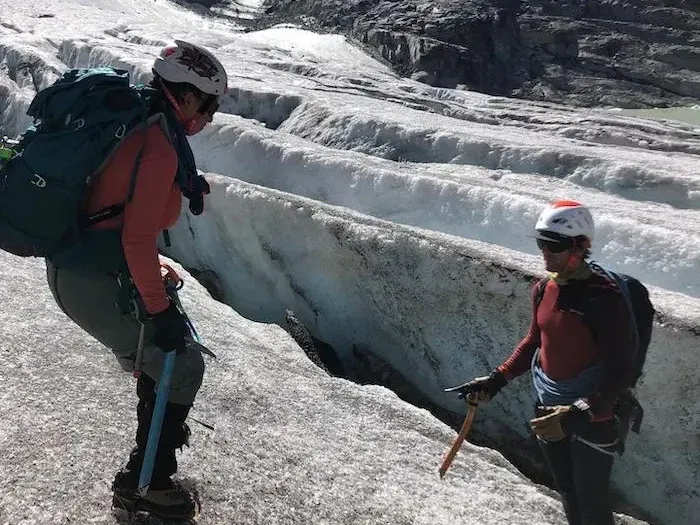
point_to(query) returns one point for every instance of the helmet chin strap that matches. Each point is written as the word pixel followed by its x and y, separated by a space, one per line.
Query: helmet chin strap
pixel 190 125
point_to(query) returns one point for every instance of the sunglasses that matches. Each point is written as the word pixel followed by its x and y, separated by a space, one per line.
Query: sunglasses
pixel 210 105
pixel 555 246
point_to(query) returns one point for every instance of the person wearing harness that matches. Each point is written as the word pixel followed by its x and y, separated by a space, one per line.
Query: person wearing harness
pixel 155 167
pixel 578 376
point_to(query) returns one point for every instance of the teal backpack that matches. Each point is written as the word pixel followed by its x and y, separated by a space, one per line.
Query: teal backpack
pixel 78 123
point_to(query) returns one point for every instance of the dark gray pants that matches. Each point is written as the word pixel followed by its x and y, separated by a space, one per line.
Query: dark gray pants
pixel 581 467
pixel 90 300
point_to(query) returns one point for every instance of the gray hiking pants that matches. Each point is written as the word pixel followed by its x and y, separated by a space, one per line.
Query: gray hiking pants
pixel 90 300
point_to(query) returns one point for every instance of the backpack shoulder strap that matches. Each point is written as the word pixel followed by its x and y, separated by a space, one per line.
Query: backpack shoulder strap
pixel 539 290
pixel 117 209
pixel 624 291
pixel 617 280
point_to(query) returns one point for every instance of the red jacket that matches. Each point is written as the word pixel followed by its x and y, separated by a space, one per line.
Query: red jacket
pixel 567 343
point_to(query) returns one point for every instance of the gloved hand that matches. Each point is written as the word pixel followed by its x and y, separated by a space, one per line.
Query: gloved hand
pixel 559 422
pixel 482 388
pixel 170 329
pixel 197 188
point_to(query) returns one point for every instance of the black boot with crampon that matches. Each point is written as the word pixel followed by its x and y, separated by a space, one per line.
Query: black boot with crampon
pixel 165 498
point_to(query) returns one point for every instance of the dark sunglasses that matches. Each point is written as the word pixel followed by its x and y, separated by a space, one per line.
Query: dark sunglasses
pixel 210 105
pixel 555 246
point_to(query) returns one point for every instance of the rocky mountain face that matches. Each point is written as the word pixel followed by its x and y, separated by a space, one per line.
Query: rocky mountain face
pixel 626 53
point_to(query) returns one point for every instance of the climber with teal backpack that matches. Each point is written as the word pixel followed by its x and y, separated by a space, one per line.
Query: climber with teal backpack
pixel 585 348
pixel 90 187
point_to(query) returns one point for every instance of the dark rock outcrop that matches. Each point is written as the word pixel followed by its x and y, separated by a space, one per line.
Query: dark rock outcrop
pixel 629 53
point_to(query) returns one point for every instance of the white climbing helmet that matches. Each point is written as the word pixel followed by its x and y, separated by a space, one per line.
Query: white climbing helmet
pixel 565 219
pixel 185 62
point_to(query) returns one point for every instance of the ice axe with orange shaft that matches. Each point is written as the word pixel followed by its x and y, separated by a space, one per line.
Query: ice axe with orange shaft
pixel 471 412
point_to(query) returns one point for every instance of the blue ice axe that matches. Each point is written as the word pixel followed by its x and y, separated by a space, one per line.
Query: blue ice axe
pixel 162 392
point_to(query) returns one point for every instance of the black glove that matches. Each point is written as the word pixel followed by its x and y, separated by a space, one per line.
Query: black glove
pixel 197 187
pixel 485 387
pixel 170 329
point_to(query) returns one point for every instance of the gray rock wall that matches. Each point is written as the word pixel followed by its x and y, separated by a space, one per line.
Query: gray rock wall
pixel 627 53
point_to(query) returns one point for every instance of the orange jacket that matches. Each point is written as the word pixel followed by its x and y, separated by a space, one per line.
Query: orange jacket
pixel 155 206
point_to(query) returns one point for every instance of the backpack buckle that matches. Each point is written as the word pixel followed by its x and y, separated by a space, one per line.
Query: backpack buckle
pixel 38 181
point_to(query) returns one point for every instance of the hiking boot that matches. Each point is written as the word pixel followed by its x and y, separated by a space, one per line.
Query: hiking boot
pixel 165 498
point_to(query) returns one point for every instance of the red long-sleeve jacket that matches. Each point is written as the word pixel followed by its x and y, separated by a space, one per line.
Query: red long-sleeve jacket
pixel 569 343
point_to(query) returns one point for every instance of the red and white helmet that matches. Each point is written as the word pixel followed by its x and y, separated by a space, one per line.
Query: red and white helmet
pixel 565 219
pixel 185 62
